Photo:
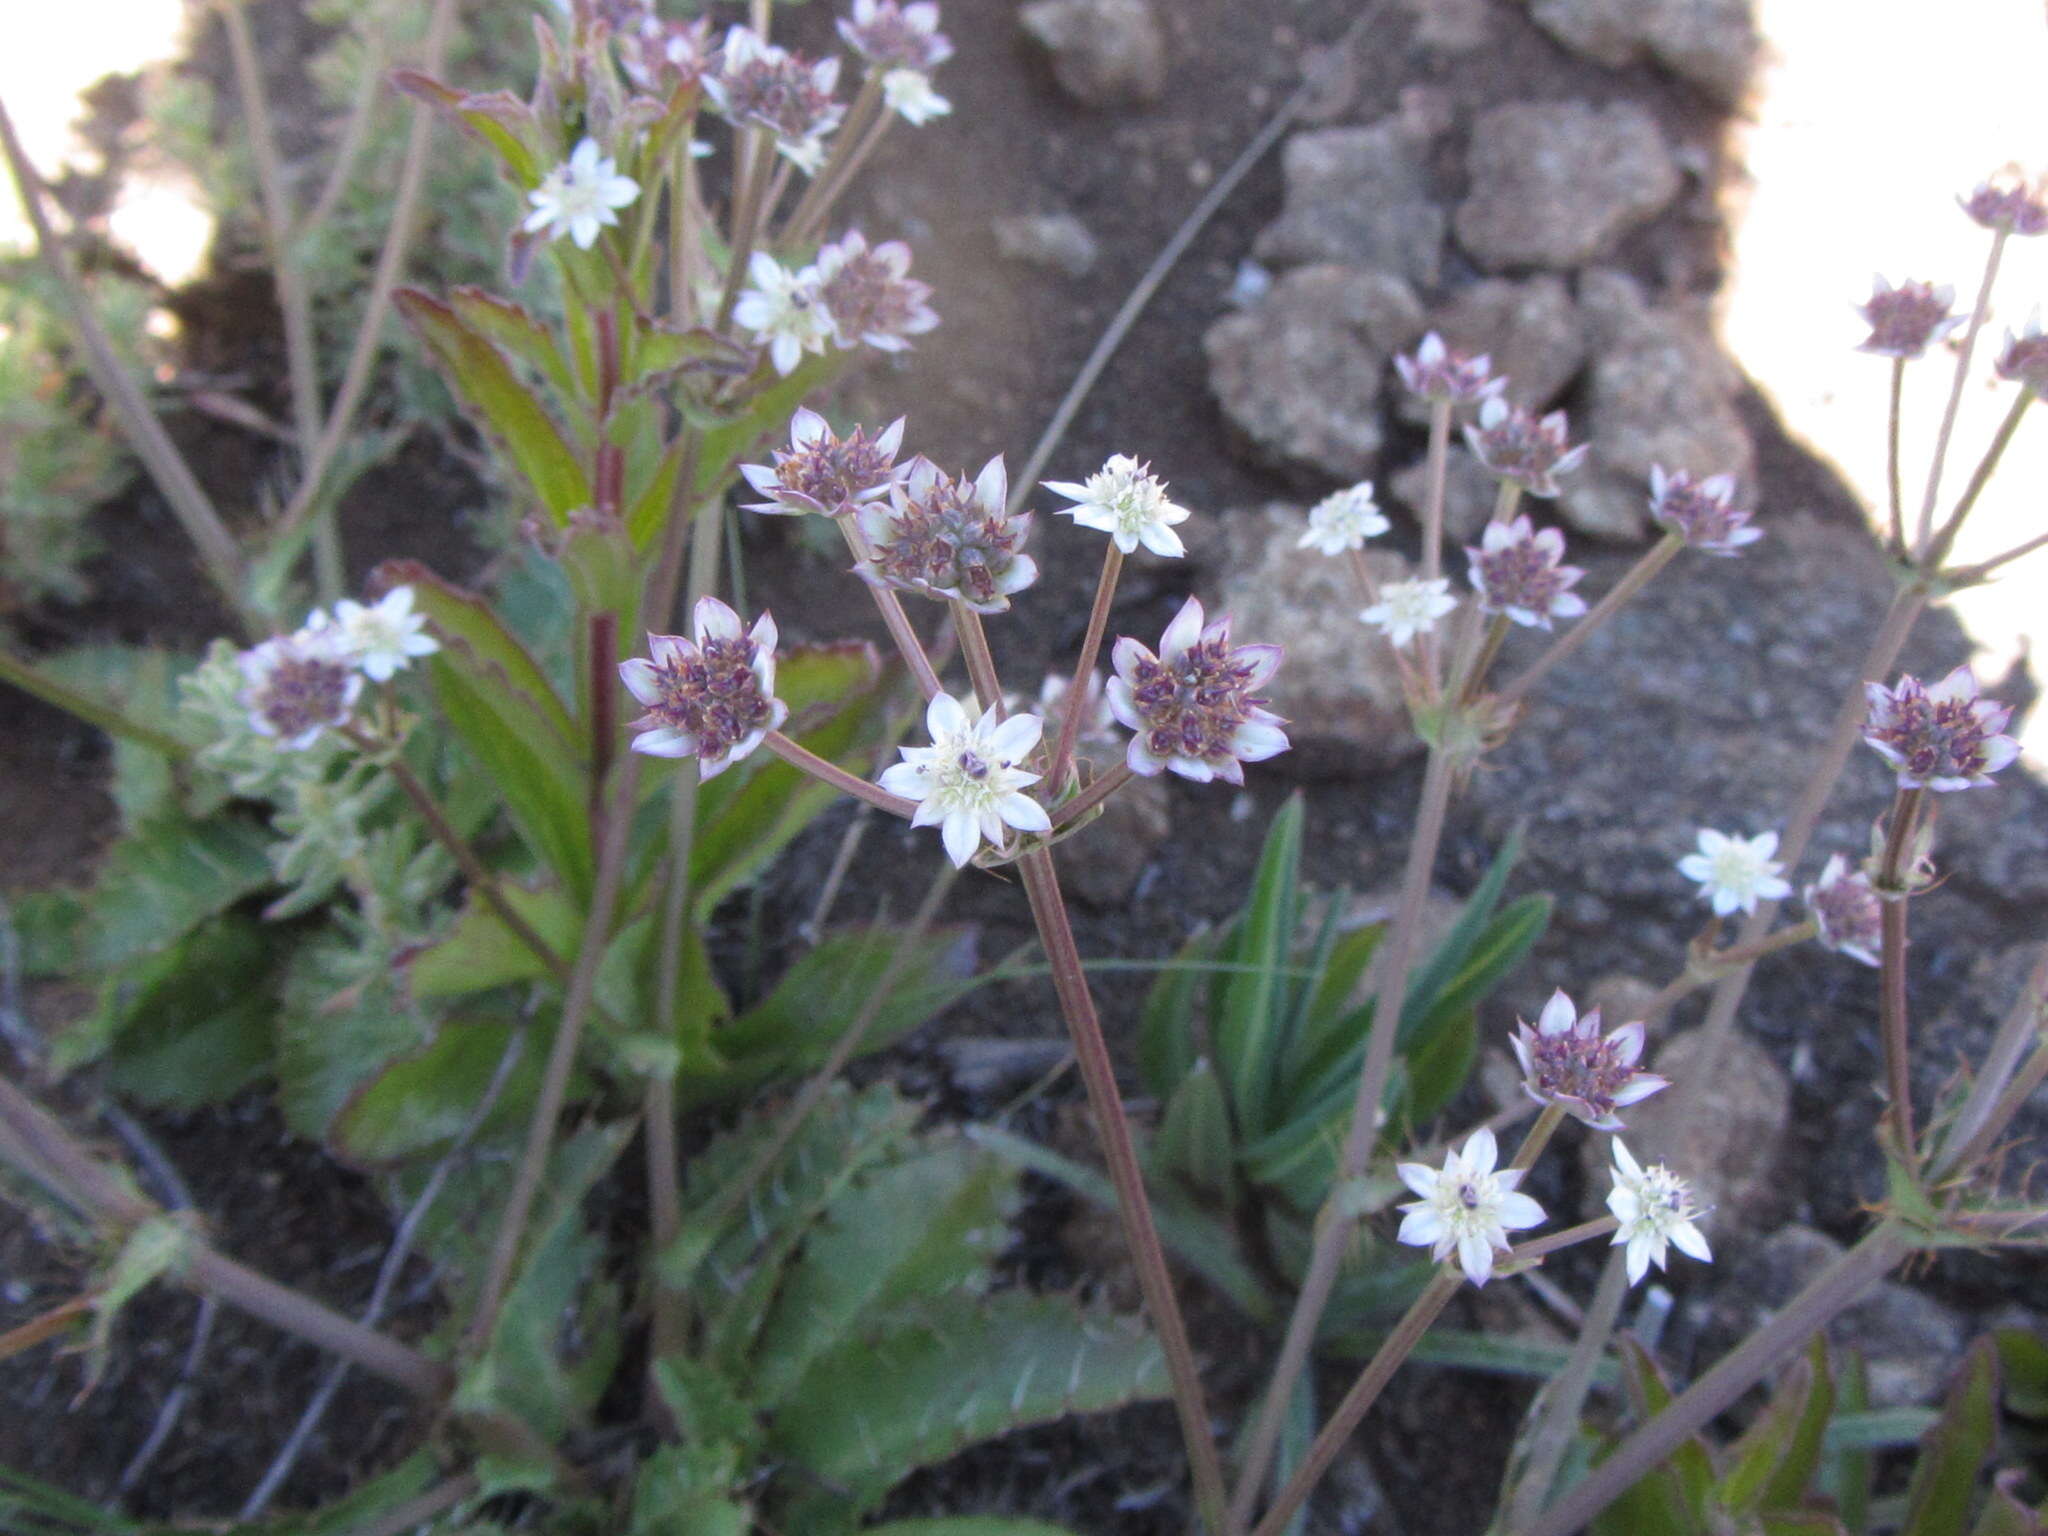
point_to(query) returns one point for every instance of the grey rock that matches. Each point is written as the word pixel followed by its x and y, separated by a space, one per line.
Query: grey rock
pixel 1469 492
pixel 1722 1124
pixel 1056 240
pixel 1912 1342
pixel 1299 374
pixel 1104 53
pixel 1359 197
pixel 1340 687
pixel 982 1064
pixel 1531 329
pixel 1101 863
pixel 1711 43
pixel 1449 26
pixel 1557 184
pixel 1661 393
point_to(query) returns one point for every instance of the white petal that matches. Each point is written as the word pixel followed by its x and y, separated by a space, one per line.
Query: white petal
pixel 1419 1177
pixel 1481 1151
pixel 1475 1256
pixel 962 835
pixel 906 780
pixel 1689 1241
pixel 1558 1014
pixel 642 680
pixel 944 717
pixel 1013 740
pixel 1518 1211
pixel 1024 813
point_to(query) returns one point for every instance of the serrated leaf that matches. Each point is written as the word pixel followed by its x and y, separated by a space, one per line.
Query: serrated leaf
pixel 162 881
pixel 514 329
pixel 1954 1451
pixel 426 1098
pixel 500 401
pixel 339 1024
pixel 1244 1032
pixel 955 1372
pixel 919 1229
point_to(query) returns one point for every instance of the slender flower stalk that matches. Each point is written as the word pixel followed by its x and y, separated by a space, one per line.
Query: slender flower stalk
pixel 804 759
pixel 103 716
pixel 1895 1026
pixel 1945 540
pixel 1559 1405
pixel 1894 415
pixel 1084 668
pixel 1924 532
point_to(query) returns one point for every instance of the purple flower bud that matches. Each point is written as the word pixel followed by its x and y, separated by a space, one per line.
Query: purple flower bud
pixel 870 295
pixel 1193 706
pixel 1906 320
pixel 1846 910
pixel 822 472
pixel 949 538
pixel 1566 1061
pixel 1436 372
pixel 761 85
pixel 711 698
pixel 2025 358
pixel 1702 512
pixel 1517 446
pixel 1521 573
pixel 891 36
pixel 1944 737
pixel 2008 205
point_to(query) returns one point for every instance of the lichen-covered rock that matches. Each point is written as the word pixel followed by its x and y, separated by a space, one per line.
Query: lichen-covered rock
pixel 1340 687
pixel 1359 197
pixel 1662 392
pixel 1558 183
pixel 1104 53
pixel 1299 374
pixel 1711 43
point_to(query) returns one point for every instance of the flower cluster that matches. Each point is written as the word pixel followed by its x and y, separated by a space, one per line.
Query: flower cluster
pixel 1126 501
pixel 1566 1061
pixel 666 56
pixel 1343 521
pixel 2008 205
pixel 760 85
pixel 1437 373
pixel 904 43
pixel 849 295
pixel 1466 1207
pixel 1944 737
pixel 823 472
pixel 948 537
pixel 1906 320
pixel 1702 512
pixel 1409 608
pixel 298 685
pixel 1521 447
pixel 711 697
pixel 1735 873
pixel 967 782
pixel 1521 573
pixel 2024 358
pixel 1193 707
pixel 1655 1210
pixel 580 197
pixel 1846 911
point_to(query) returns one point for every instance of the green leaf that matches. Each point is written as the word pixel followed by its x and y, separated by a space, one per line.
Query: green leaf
pixel 502 404
pixel 513 328
pixel 2023 1368
pixel 1501 1356
pixel 1954 1451
pixel 688 1491
pixel 29 1507
pixel 1167 1042
pixel 1771 1452
pixel 1501 946
pixel 704 1403
pixel 494 653
pixel 1848 1467
pixel 1245 1031
pixel 500 119
pixel 161 882
pixel 967 1525
pixel 1807 1441
pixel 1439 1064
pixel 1433 977
pixel 1681 1484
pixel 480 952
pixel 2004 1515
pixel 953 1372
pixel 422 1100
pixel 917 1230
pixel 341 1022
pixel 1194 1135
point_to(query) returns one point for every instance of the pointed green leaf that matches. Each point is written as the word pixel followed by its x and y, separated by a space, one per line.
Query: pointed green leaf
pixel 1807 1441
pixel 1754 1465
pixel 1501 946
pixel 1331 1028
pixel 1954 1452
pixel 1434 975
pixel 1167 1039
pixel 2023 1368
pixel 1688 1473
pixel 426 1098
pixel 480 952
pixel 1194 1137
pixel 466 624
pixel 1245 1033
pixel 513 328
pixel 1847 1467
pixel 1439 1064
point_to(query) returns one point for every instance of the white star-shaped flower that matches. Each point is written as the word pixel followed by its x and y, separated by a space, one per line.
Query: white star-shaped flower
pixel 1410 608
pixel 1466 1207
pixel 1735 873
pixel 1126 501
pixel 580 197
pixel 1655 1209
pixel 967 782
pixel 384 638
pixel 909 94
pixel 784 311
pixel 1343 521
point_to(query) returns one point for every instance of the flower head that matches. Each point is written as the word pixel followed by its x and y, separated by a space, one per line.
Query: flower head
pixel 784 310
pixel 1567 1061
pixel 1193 708
pixel 1655 1209
pixel 1409 608
pixel 298 685
pixel 1906 320
pixel 1846 910
pixel 949 538
pixel 1126 501
pixel 2007 204
pixel 1519 446
pixel 823 472
pixel 1466 1207
pixel 1735 873
pixel 761 85
pixel 1435 372
pixel 712 697
pixel 909 94
pixel 967 782
pixel 1943 737
pixel 580 197
pixel 1343 521
pixel 1521 573
pixel 383 639
pixel 868 295
pixel 666 56
pixel 892 36
pixel 1702 512
pixel 2024 359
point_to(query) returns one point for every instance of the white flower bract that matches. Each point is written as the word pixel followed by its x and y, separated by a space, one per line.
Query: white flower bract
pixel 1735 873
pixel 1126 501
pixel 1409 608
pixel 1655 1209
pixel 385 637
pixel 580 197
pixel 967 782
pixel 1343 521
pixel 1467 1208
